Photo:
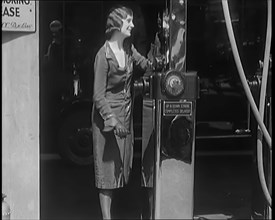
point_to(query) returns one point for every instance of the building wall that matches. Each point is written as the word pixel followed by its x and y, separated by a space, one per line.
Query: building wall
pixel 20 122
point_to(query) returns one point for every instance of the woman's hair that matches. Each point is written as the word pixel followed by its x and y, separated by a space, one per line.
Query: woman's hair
pixel 114 19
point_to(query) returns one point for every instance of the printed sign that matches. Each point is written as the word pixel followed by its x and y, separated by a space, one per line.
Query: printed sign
pixel 18 15
pixel 173 108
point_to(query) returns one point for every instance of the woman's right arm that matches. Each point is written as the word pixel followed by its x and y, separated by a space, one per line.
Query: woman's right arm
pixel 101 69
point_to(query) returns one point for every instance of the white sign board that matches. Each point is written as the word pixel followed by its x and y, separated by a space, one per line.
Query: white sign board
pixel 18 15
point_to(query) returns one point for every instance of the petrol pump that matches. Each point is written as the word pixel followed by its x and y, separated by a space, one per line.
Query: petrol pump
pixel 169 114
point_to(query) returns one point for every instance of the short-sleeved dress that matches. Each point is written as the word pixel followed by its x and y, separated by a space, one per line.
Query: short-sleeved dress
pixel 112 96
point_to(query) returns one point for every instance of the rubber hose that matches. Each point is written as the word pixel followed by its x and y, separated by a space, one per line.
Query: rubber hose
pixel 262 106
pixel 241 71
pixel 248 92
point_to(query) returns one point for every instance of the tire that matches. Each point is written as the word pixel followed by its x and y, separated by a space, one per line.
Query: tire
pixel 75 141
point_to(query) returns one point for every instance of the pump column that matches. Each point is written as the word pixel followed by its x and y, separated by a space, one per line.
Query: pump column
pixel 175 125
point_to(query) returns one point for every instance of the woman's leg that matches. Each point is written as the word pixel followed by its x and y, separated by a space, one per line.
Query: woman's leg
pixel 105 198
pixel 151 202
pixel 147 203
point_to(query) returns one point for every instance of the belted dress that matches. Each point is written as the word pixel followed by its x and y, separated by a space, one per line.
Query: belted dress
pixel 113 155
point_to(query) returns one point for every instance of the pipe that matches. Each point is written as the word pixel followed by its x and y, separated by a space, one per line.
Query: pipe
pixel 241 71
pixel 257 114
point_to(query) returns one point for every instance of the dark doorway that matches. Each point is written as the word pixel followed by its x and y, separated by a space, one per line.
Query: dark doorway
pixel 75 31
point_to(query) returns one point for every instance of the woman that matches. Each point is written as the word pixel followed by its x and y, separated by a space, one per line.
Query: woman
pixel 112 121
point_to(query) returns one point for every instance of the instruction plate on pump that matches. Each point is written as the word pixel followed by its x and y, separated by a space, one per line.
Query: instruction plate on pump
pixel 173 108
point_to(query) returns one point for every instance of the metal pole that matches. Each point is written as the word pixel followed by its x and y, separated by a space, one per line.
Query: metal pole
pixel 157 173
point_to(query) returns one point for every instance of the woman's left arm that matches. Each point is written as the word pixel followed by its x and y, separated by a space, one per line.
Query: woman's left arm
pixel 140 60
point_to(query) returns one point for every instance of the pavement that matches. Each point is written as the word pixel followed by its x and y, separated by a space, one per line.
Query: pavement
pixel 223 188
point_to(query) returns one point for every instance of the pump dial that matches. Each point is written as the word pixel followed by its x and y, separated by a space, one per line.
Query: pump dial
pixel 173 83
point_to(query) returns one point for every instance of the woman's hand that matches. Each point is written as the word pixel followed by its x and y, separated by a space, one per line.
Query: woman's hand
pixel 110 123
pixel 121 131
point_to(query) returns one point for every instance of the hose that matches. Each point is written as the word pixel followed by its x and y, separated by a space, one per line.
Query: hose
pixel 262 105
pixel 241 71
pixel 257 114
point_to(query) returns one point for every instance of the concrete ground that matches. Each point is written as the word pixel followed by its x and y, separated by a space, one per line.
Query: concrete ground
pixel 223 188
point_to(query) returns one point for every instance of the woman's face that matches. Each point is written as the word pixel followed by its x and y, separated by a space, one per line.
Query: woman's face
pixel 127 26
